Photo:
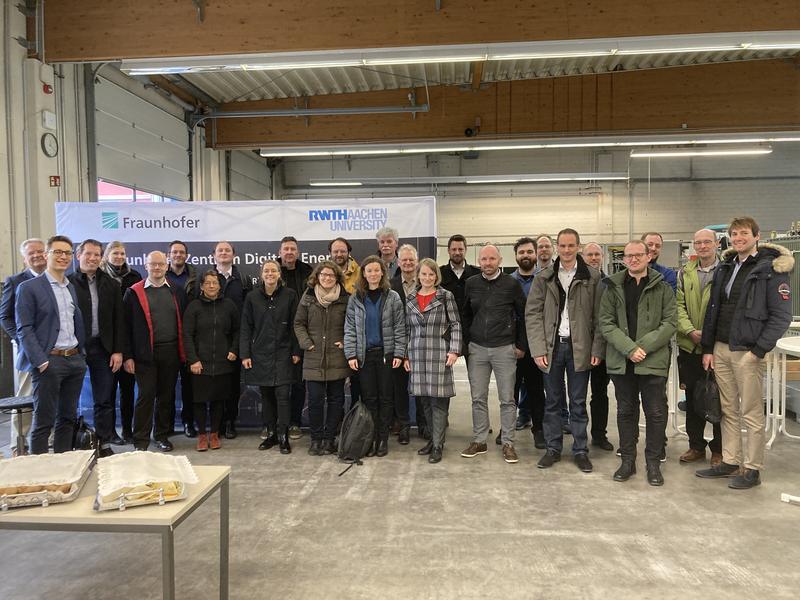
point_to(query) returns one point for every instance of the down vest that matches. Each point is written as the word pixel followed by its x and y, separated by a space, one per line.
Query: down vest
pixel 393 331
pixel 319 327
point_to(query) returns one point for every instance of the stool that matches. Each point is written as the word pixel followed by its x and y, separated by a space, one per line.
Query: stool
pixel 20 404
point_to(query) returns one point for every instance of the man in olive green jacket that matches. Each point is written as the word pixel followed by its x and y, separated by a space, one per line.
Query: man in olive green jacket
pixel 637 318
pixel 694 292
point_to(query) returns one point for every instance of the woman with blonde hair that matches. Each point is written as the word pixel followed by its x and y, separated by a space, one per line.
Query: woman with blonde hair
pixel 434 343
pixel 375 343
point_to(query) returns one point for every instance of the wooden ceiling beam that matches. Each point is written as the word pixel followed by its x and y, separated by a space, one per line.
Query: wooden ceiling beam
pixel 699 98
pixel 98 30
pixel 477 74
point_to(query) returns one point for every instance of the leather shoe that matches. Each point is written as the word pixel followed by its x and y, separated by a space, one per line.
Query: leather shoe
pixel 328 447
pixel 750 478
pixel 721 470
pixel 285 446
pixel 189 430
pixel 315 449
pixel 382 449
pixel 538 439
pixel 716 458
pixel 692 455
pixel 371 451
pixel 583 462
pixel 603 444
pixel 626 470
pixel 436 455
pixel 654 476
pixel 426 449
pixel 549 459
pixel 230 431
pixel 270 441
pixel 403 437
pixel 116 440
pixel 164 445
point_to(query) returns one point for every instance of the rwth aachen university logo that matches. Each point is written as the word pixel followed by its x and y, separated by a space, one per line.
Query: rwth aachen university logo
pixel 351 219
pixel 112 220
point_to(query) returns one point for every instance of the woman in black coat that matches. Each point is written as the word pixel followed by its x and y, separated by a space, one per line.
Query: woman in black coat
pixel 211 341
pixel 269 349
pixel 319 327
pixel 115 264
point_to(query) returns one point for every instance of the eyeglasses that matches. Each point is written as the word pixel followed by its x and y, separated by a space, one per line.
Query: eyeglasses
pixel 158 264
pixel 60 252
pixel 637 256
pixel 328 275
pixel 703 243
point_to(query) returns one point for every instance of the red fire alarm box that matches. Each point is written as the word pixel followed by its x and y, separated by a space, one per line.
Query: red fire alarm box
pixel 55 180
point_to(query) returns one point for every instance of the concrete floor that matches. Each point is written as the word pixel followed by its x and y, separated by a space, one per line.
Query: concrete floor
pixel 398 527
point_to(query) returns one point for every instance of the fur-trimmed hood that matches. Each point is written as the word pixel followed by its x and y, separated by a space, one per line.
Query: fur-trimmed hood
pixel 782 259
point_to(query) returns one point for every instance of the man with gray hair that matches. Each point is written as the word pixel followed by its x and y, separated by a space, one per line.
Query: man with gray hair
pixel 493 326
pixel 388 240
pixel 35 261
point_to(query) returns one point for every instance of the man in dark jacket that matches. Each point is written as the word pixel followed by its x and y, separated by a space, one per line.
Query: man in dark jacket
pixel 35 260
pixel 456 272
pixel 235 286
pixel 750 309
pixel 493 327
pixel 182 274
pixel 561 319
pixel 295 274
pixel 100 301
pixel 154 312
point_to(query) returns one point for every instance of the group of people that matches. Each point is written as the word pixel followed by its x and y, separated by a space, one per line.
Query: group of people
pixel 394 326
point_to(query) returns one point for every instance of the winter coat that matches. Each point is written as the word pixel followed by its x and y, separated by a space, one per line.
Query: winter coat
pixel 427 346
pixel 393 327
pixel 764 311
pixel 210 332
pixel 267 336
pixel 691 304
pixel 656 322
pixel 321 327
pixel 543 314
pixel 493 314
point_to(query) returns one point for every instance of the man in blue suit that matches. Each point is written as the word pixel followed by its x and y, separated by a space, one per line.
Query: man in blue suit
pixel 51 335
pixel 32 251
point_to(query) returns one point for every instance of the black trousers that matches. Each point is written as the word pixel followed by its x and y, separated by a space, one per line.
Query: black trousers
pixel 126 383
pixel 691 372
pixel 276 406
pixel 156 400
pixel 529 375
pixel 231 400
pixel 653 390
pixel 325 408
pixel 209 392
pixel 375 376
pixel 400 395
pixel 598 378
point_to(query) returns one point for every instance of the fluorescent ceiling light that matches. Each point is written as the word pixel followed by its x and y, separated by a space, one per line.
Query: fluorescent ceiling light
pixel 421 60
pixel 334 183
pixel 680 152
pixel 473 179
pixel 545 177
pixel 545 56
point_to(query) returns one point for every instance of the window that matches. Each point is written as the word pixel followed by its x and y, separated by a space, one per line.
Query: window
pixel 112 192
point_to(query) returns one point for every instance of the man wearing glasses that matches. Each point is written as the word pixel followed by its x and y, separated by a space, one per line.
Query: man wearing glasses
pixel 51 333
pixel 153 311
pixel 637 318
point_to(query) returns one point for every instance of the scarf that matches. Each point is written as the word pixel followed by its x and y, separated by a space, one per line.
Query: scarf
pixel 327 298
pixel 116 272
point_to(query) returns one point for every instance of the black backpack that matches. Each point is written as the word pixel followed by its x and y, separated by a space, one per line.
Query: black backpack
pixel 358 434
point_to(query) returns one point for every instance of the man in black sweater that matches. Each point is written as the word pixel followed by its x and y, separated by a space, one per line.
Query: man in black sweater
pixel 154 312
pixel 100 301
pixel 492 322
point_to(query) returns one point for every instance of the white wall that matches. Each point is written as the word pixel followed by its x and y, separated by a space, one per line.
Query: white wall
pixel 249 176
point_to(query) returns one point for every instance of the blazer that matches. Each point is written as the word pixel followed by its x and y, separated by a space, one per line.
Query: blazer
pixel 38 324
pixel 112 330
pixel 7 311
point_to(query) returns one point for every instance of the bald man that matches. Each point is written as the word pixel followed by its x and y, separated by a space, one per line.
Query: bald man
pixel 153 311
pixel 492 322
pixel 693 294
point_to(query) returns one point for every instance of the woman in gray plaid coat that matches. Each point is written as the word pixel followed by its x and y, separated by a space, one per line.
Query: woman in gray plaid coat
pixel 434 342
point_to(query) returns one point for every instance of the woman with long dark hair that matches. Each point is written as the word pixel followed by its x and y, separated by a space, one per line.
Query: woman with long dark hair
pixel 115 264
pixel 211 342
pixel 375 343
pixel 269 349
pixel 434 343
pixel 319 327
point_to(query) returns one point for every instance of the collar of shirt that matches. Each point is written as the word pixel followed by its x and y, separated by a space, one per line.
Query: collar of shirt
pixel 34 273
pixel 493 277
pixel 148 283
pixel 571 271
pixel 709 268
pixel 226 274
pixel 753 253
pixel 54 281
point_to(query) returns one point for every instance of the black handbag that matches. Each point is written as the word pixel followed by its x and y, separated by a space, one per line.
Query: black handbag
pixel 84 437
pixel 706 398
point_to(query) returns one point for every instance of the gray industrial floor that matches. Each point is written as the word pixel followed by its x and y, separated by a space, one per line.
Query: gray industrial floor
pixel 398 527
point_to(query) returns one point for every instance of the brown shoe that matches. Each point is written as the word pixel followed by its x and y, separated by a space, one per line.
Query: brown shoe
pixel 692 455
pixel 202 442
pixel 214 442
pixel 473 450
pixel 716 458
pixel 509 454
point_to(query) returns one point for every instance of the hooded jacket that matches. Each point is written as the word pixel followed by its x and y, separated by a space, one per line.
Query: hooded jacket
pixel 764 311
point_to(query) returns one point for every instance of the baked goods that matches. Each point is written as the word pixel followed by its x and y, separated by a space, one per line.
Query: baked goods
pixel 44 478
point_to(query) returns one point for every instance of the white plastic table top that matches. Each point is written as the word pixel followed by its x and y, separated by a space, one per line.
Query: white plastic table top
pixel 80 512
pixel 789 345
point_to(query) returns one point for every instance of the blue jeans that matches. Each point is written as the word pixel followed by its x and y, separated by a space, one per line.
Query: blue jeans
pixel 577 384
pixel 102 379
pixel 55 402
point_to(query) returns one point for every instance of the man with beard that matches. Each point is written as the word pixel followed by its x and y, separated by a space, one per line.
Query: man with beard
pixel 456 272
pixel 388 241
pixel 654 242
pixel 340 249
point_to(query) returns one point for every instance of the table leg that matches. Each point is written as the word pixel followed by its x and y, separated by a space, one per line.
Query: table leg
pixel 168 564
pixel 21 442
pixel 224 507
